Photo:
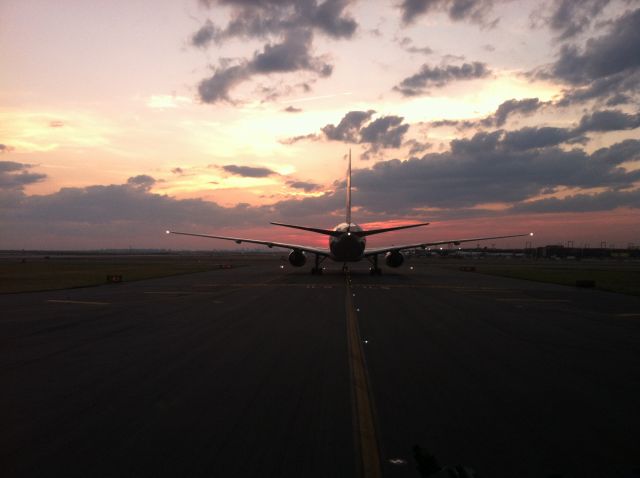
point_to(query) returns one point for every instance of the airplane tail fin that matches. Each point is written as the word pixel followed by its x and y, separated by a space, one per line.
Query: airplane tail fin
pixel 348 219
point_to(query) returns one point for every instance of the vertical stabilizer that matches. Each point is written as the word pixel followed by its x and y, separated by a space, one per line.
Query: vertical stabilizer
pixel 348 220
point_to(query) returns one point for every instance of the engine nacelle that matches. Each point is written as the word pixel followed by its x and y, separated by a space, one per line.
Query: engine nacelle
pixel 297 258
pixel 394 259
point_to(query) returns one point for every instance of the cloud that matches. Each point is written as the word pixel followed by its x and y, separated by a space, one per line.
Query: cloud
pixel 571 17
pixel 606 66
pixel 4 148
pixel 291 55
pixel 15 176
pixel 489 169
pixel 416 146
pixel 604 201
pixel 609 120
pixel 386 132
pixel 143 182
pixel 357 127
pixel 479 170
pixel 303 137
pixel 475 11
pixel 217 87
pixel 248 171
pixel 289 24
pixel 349 127
pixel 262 18
pixel 538 137
pixel 177 170
pixel 306 186
pixel 440 76
pixel 205 35
pixel 406 44
pixel 56 124
pixel 499 117
pixel 292 109
pixel 506 109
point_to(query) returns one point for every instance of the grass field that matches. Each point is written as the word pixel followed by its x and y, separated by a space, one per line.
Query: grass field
pixel 614 276
pixel 24 273
pixel 32 273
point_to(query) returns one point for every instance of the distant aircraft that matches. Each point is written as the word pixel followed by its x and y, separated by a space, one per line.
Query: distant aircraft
pixel 347 242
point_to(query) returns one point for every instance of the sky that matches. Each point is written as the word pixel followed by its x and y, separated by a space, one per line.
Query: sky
pixel 119 120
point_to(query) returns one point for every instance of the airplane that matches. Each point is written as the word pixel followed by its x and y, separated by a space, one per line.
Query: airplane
pixel 347 242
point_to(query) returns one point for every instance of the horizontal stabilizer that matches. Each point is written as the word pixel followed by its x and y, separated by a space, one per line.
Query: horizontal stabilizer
pixel 327 232
pixel 388 229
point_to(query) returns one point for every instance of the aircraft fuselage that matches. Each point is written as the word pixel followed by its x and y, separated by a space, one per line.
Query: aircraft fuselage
pixel 348 246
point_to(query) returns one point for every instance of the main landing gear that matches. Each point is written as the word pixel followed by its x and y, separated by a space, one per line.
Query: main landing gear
pixel 317 270
pixel 374 270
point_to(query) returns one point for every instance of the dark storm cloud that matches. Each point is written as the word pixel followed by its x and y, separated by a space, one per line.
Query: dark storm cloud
pixel 571 17
pixel 349 127
pixel 306 186
pixel 248 171
pixel 488 169
pixel 607 66
pixel 476 11
pixel 292 54
pixel 440 76
pixel 15 176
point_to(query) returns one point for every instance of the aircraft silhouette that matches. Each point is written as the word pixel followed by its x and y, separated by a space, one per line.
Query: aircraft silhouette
pixel 347 241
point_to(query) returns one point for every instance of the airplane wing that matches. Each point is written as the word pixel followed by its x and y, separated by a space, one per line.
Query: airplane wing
pixel 423 245
pixel 240 240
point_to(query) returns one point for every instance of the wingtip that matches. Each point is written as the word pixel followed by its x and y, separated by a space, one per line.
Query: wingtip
pixel 168 231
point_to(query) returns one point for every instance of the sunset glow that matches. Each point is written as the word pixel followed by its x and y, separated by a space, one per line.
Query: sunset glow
pixel 120 121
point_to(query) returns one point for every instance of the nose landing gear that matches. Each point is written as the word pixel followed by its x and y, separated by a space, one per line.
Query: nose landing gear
pixel 374 270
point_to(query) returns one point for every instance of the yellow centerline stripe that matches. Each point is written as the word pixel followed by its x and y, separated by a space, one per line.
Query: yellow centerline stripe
pixel 365 430
pixel 85 302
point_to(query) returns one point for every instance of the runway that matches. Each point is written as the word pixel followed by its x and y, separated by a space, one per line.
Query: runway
pixel 249 372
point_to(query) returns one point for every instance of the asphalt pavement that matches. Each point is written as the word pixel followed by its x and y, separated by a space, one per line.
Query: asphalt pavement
pixel 249 372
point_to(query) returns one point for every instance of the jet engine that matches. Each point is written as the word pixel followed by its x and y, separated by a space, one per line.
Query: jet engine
pixel 394 259
pixel 297 258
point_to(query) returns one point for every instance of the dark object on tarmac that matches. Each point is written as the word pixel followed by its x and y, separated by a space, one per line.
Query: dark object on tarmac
pixel 468 269
pixel 585 283
pixel 114 278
